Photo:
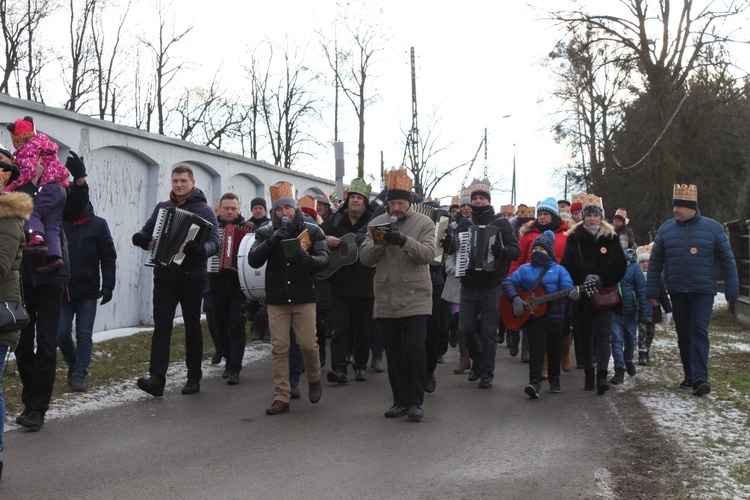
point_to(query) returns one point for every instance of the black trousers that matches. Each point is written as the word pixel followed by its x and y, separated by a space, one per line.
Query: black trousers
pixel 37 367
pixel 434 330
pixel 167 295
pixel 352 317
pixel 544 337
pixel 595 327
pixel 407 358
pixel 229 322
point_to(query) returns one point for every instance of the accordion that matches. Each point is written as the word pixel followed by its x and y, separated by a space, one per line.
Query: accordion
pixel 441 224
pixel 173 227
pixel 230 237
pixel 474 249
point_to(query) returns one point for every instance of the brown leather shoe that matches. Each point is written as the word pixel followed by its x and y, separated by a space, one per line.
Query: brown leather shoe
pixel 315 391
pixel 277 407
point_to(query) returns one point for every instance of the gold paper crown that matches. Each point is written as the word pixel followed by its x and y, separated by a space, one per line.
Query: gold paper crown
pixel 477 185
pixel 465 191
pixel 455 200
pixel 507 209
pixel 526 212
pixel 308 202
pixel 579 198
pixel 593 200
pixel 398 179
pixel 282 190
pixel 685 192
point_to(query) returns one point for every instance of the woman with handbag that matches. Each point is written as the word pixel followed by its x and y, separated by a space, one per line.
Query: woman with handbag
pixel 593 252
pixel 15 209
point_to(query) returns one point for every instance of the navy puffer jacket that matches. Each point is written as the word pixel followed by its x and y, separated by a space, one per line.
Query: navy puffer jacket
pixel 688 252
pixel 633 291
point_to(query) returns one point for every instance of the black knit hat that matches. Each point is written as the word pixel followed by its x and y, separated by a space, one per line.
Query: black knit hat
pixel 546 240
pixel 258 201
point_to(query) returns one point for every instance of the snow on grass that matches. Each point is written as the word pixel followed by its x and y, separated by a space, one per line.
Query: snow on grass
pixel 711 432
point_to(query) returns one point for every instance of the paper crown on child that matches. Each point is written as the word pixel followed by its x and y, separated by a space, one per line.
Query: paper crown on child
pixel 308 205
pixel 360 187
pixel 399 185
pixel 21 131
pixel 621 214
pixel 685 195
pixel 283 193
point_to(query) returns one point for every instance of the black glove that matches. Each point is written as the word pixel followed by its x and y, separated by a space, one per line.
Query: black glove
pixel 105 295
pixel 277 236
pixel 395 237
pixel 302 260
pixel 594 277
pixel 141 240
pixel 447 242
pixel 497 248
pixel 192 249
pixel 75 165
pixel 518 305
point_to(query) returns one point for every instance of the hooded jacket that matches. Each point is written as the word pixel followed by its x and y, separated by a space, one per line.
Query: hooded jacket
pixel 588 254
pixel 633 291
pixel 285 283
pixel 15 209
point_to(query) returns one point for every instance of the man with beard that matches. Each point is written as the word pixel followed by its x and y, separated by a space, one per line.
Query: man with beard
pixel 480 290
pixel 403 292
pixel 290 291
pixel 351 292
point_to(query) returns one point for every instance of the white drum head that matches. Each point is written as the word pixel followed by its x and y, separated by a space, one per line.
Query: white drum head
pixel 252 281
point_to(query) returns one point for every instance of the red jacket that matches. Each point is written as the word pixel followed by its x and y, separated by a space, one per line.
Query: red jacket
pixel 526 236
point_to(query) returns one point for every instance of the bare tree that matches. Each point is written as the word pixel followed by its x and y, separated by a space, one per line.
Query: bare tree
pixel 107 89
pixel 164 71
pixel 424 166
pixel 352 63
pixel 143 94
pixel 36 53
pixel 81 77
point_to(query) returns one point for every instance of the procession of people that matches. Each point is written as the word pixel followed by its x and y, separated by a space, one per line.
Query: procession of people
pixel 392 273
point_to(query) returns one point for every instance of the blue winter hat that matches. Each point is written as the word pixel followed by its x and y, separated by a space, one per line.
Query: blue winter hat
pixel 548 205
pixel 546 240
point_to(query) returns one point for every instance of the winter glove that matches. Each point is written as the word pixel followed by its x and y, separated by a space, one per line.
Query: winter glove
pixel 395 237
pixel 192 249
pixel 667 318
pixel 596 278
pixel 302 260
pixel 447 242
pixel 497 248
pixel 105 295
pixel 518 306
pixel 75 165
pixel 277 236
pixel 574 294
pixel 141 240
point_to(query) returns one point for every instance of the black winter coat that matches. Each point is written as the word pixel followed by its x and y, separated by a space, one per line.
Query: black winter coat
pixel 285 283
pixel 90 247
pixel 357 281
pixel 602 255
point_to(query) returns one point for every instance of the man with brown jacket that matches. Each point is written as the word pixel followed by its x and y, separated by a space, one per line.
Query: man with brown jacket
pixel 403 293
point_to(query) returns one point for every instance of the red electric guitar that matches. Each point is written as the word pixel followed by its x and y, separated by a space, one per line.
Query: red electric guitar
pixel 535 303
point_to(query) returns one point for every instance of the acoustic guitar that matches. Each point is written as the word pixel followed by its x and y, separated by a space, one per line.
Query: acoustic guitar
pixel 535 303
pixel 343 258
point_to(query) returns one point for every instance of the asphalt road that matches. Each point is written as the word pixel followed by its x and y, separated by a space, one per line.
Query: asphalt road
pixel 472 443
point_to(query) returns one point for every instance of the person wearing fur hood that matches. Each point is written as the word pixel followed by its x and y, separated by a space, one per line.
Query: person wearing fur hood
pixel 593 252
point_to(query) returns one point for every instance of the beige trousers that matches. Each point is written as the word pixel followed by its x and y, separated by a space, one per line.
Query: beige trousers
pixel 281 318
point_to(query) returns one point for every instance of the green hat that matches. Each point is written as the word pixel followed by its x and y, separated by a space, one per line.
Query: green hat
pixel 360 187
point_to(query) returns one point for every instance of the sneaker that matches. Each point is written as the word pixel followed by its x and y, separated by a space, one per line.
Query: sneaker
pixel 151 386
pixel 34 420
pixel 630 368
pixel 338 377
pixel 485 383
pixel 686 384
pixel 701 389
pixel 532 390
pixel 377 365
pixel 360 375
pixel 78 383
pixel 191 387
pixel 473 375
pixel 294 392
pixel 554 386
pixel 233 378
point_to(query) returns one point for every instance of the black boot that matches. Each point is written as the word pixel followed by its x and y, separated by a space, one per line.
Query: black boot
pixel 513 337
pixel 601 382
pixel 619 377
pixel 589 383
pixel 630 368
pixel 525 351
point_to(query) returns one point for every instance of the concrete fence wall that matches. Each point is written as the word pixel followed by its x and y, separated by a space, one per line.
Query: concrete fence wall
pixel 129 172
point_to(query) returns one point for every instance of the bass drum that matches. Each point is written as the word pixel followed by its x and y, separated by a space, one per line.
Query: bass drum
pixel 252 281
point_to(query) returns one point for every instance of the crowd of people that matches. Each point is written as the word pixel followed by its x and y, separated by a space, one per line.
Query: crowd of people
pixel 389 273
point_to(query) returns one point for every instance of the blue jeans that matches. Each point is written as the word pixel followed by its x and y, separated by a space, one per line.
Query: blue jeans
pixel 78 355
pixel 3 354
pixel 692 313
pixel 624 333
pixel 482 344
